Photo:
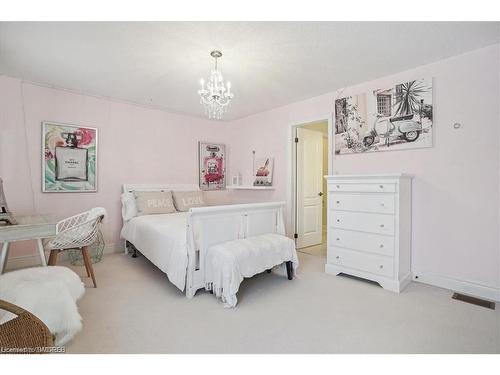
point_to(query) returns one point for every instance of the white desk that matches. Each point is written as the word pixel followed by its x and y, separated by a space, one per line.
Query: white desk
pixel 34 227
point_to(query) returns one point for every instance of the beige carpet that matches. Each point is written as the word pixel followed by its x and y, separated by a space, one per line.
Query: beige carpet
pixel 136 310
pixel 318 250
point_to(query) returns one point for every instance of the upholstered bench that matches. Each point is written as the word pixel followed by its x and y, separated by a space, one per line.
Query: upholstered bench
pixel 228 263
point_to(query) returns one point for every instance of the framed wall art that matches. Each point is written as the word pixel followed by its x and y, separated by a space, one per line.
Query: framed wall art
pixel 212 166
pixel 69 158
pixel 264 171
pixel 396 117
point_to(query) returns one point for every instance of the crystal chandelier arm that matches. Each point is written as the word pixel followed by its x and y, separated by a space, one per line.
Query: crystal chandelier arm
pixel 215 96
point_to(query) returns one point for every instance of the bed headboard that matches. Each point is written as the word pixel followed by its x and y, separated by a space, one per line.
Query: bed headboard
pixel 159 187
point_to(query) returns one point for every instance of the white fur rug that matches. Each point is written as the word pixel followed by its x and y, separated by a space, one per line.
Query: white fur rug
pixel 50 293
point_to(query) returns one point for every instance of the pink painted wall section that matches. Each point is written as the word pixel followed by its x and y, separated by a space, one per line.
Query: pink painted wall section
pixel 456 183
pixel 136 145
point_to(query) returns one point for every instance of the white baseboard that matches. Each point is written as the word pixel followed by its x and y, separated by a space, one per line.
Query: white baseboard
pixel 114 247
pixel 32 260
pixel 460 286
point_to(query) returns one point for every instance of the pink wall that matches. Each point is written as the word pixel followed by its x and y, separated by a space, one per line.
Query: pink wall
pixel 136 145
pixel 456 184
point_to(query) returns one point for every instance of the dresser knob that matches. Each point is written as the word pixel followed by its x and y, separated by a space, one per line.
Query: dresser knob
pixel 337 257
pixel 338 186
pixel 382 204
pixel 382 225
pixel 381 186
pixel 337 239
pixel 338 220
pixel 338 202
pixel 382 246
pixel 381 266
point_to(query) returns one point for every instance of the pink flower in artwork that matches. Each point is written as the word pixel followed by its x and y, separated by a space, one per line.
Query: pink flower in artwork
pixel 86 135
pixel 48 154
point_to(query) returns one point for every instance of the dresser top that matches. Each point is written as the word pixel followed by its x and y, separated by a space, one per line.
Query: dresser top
pixel 367 176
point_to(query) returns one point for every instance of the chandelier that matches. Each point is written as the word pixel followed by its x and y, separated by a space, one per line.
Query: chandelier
pixel 215 96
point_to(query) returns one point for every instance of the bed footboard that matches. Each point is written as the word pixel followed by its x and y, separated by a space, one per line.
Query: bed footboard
pixel 208 226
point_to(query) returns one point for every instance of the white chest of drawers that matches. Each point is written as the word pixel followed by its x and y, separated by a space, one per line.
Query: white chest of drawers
pixel 369 228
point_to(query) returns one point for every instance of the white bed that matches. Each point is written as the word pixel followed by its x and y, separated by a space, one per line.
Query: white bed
pixel 176 243
pixel 163 240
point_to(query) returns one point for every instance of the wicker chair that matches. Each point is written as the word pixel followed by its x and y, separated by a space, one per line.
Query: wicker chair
pixel 77 232
pixel 24 332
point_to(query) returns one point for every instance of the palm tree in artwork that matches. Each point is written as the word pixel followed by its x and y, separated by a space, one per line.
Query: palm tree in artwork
pixel 408 97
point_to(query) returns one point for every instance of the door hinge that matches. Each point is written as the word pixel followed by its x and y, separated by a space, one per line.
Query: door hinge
pixel 296 139
pixel 295 235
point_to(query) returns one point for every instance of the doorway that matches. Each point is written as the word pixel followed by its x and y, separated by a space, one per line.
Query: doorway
pixel 310 163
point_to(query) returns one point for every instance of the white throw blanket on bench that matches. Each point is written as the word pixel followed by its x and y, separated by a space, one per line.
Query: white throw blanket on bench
pixel 228 263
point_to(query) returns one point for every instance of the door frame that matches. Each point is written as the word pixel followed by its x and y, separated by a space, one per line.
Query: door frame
pixel 292 159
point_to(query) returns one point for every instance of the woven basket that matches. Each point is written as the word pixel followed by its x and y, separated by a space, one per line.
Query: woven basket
pixel 26 332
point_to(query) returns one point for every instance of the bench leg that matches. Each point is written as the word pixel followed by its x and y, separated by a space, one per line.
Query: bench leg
pixel 134 255
pixel 269 271
pixel 289 270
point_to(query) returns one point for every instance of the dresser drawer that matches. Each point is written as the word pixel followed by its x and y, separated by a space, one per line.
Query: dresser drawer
pixel 367 188
pixel 375 264
pixel 369 242
pixel 377 203
pixel 374 223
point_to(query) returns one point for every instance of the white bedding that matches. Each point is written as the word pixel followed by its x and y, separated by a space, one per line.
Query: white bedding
pixel 163 240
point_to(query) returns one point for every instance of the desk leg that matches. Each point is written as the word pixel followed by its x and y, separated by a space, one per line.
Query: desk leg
pixel 41 252
pixel 3 256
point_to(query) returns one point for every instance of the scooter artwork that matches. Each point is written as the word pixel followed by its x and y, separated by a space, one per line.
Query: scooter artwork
pixel 392 117
pixel 405 128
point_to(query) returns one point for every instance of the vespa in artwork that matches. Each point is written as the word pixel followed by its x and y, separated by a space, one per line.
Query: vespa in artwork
pixel 400 117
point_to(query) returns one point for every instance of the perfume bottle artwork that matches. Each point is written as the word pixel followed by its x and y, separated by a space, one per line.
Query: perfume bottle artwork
pixel 212 169
pixel 71 160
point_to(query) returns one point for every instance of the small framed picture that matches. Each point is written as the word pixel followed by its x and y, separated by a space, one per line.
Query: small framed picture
pixel 69 158
pixel 264 171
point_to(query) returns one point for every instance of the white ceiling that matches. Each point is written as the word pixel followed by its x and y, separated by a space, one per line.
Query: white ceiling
pixel 269 63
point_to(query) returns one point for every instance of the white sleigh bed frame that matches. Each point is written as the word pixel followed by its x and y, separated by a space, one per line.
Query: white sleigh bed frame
pixel 217 224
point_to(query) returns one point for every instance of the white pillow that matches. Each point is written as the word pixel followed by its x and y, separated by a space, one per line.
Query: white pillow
pixel 129 208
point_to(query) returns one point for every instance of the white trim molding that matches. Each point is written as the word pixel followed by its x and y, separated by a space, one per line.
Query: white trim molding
pixel 460 286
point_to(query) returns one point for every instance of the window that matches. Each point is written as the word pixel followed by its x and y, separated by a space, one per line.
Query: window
pixel 384 104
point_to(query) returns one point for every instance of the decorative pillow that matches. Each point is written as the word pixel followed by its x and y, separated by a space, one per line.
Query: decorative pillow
pixel 129 209
pixel 184 200
pixel 154 202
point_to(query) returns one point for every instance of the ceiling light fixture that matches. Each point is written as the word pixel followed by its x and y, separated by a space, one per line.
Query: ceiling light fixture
pixel 215 96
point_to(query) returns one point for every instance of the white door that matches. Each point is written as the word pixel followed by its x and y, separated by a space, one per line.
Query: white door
pixel 309 187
